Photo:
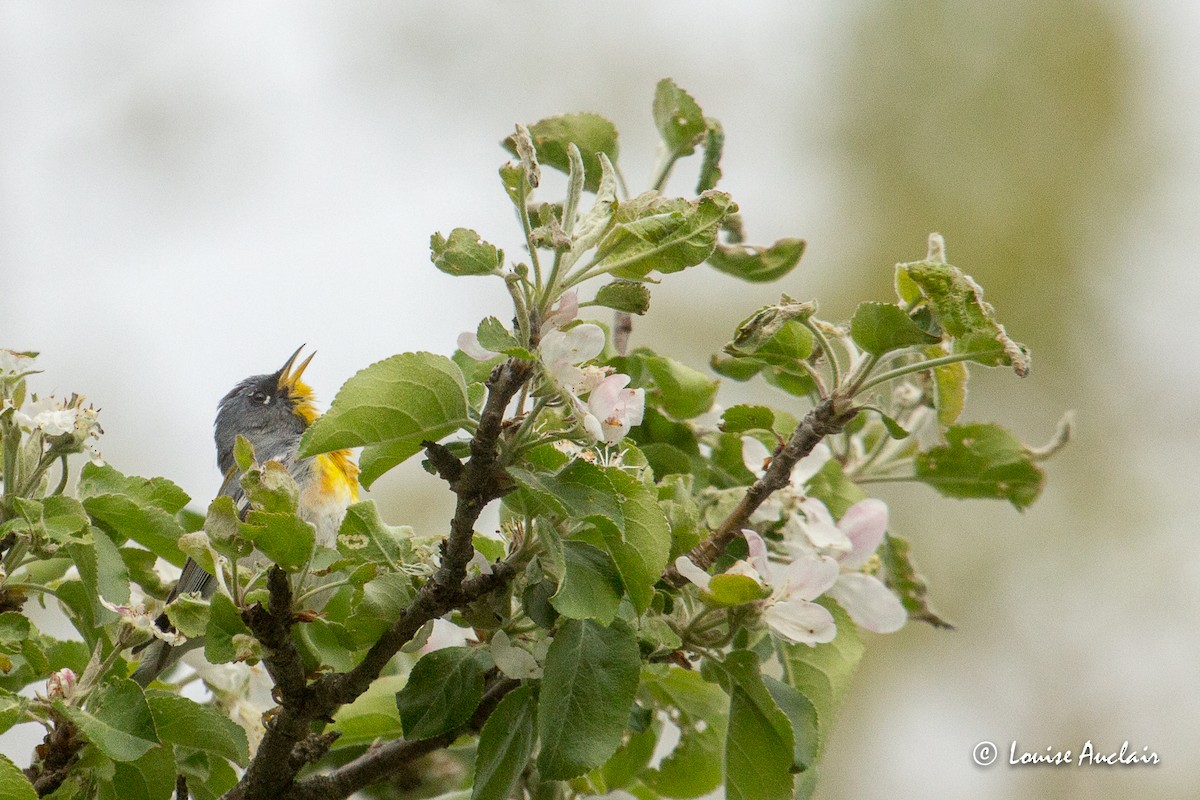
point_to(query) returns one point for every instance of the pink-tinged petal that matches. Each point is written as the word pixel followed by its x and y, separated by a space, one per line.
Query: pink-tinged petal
pixel 469 344
pixel 864 524
pixel 869 603
pixel 603 400
pixel 800 622
pixel 809 465
pixel 813 509
pixel 758 552
pixel 806 578
pixel 685 567
pixel 634 402
pixel 755 455
pixel 826 537
pixel 567 310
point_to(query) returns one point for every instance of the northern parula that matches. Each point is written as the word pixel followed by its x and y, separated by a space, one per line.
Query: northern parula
pixel 271 411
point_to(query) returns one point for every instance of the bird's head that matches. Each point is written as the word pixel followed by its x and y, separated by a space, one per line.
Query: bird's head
pixel 269 410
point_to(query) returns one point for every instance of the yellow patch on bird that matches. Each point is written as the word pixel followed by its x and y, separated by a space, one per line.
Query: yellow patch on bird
pixel 301 397
pixel 339 474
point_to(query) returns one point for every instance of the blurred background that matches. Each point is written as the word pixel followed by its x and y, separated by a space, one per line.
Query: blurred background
pixel 190 191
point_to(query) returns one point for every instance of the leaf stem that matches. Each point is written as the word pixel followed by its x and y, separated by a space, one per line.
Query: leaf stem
pixel 666 163
pixel 527 227
pixel 921 366
pixel 835 371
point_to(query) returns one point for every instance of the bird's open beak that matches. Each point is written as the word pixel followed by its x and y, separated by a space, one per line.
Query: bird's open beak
pixel 289 377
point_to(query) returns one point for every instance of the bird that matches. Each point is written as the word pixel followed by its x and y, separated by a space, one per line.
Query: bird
pixel 272 412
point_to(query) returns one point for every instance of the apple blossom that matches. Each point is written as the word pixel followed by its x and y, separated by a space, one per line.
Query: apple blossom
pixel 852 542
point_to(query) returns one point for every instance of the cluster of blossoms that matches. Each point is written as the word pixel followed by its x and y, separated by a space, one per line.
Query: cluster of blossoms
pixel 820 557
pixel 611 408
pixel 69 425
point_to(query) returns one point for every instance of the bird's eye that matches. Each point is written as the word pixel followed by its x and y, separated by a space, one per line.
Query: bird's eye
pixel 260 397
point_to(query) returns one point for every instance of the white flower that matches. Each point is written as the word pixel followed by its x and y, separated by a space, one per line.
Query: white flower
pixel 563 352
pixel 613 409
pixel 55 417
pixel 468 342
pixel 852 542
pixel 789 610
pixel 138 617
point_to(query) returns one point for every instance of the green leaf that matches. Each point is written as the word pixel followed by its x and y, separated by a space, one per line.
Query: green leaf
pixel 464 253
pixel 505 745
pixel 271 488
pixel 135 508
pixel 11 712
pixel 443 691
pixel 641 551
pixel 880 328
pixel 981 460
pixel 758 264
pixel 377 605
pixel 224 625
pixel 632 524
pixel 243 453
pixel 630 759
pixel 102 571
pixel 185 722
pixel 364 538
pixel 654 233
pixel 223 526
pixel 151 777
pixel 694 697
pixel 120 722
pixel 683 392
pixel 738 369
pixel 13 783
pixel 710 167
pixel 739 419
pixel 693 769
pixel 188 614
pixel 158 492
pixel 591 677
pixel 591 587
pixel 755 332
pixel 950 388
pixel 678 118
pixel 733 590
pixel 373 716
pixel 391 407
pixel 803 718
pixel 591 133
pixel 902 578
pixel 759 748
pixel 629 296
pixel 822 673
pixel 494 336
pixel 284 538
pixel 958 307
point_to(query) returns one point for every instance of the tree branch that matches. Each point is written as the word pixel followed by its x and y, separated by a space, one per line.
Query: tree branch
pixel 55 756
pixel 826 418
pixel 273 769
